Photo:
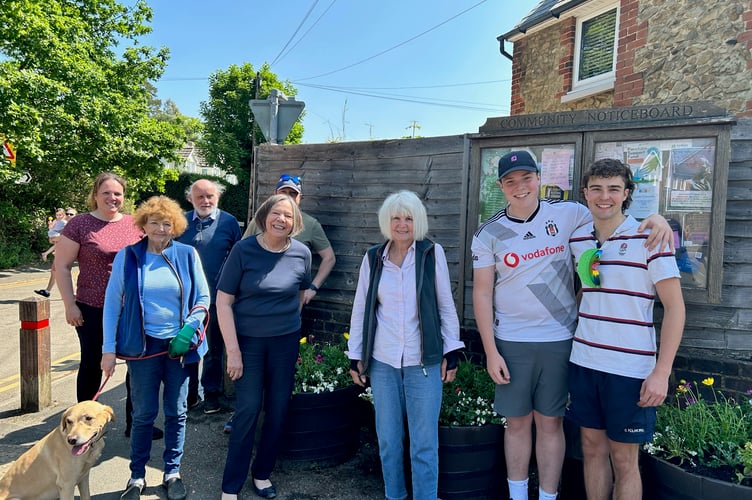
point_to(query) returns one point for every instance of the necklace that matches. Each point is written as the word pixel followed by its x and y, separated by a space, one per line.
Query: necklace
pixel 262 241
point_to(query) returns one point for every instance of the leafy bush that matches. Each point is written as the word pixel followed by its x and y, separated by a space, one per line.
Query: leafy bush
pixel 695 432
pixel 468 400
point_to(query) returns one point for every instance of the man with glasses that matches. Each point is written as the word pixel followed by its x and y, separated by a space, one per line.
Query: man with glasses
pixel 312 236
pixel 213 232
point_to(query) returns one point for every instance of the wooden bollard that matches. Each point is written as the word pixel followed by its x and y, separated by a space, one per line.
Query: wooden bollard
pixel 36 379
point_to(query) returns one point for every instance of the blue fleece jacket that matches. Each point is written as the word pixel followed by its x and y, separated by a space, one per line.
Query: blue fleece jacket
pixel 123 304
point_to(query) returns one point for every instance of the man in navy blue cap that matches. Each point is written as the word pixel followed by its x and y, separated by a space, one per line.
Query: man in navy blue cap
pixel 312 236
pixel 525 310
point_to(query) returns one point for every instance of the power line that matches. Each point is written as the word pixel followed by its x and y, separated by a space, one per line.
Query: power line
pixel 295 33
pixel 417 100
pixel 385 95
pixel 395 46
pixel 279 58
pixel 448 85
pixel 466 84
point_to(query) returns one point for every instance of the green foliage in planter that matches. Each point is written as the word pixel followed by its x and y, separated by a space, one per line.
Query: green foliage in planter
pixel 468 400
pixel 694 431
pixel 322 367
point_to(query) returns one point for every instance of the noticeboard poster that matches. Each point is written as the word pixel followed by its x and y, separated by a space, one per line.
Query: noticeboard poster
pixel 675 179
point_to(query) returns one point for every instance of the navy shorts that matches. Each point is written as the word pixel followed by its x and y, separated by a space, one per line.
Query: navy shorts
pixel 599 400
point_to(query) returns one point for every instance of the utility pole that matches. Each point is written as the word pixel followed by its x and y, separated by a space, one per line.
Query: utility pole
pixel 413 126
pixel 370 130
pixel 253 182
pixel 344 122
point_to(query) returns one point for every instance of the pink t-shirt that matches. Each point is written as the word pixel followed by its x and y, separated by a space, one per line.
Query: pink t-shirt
pixel 98 241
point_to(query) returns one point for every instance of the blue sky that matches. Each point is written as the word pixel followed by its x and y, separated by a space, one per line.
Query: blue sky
pixel 431 63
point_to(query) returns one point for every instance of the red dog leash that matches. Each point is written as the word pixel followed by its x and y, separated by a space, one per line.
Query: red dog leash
pixel 201 335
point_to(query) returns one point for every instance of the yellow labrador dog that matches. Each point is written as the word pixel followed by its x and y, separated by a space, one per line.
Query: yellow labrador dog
pixel 61 460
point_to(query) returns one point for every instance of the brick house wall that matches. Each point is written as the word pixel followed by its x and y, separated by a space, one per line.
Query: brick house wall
pixel 704 57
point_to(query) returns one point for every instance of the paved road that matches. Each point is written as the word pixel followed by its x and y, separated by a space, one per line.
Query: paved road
pixel 206 445
pixel 20 285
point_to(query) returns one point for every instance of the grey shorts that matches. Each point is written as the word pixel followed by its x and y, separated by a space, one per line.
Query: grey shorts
pixel 538 371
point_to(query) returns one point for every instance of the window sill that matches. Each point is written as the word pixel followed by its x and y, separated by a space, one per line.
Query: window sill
pixel 597 88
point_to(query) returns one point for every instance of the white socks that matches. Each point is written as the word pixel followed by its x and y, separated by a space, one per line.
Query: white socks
pixel 517 489
pixel 542 495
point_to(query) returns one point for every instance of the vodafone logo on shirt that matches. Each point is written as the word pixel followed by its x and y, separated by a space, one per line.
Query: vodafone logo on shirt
pixel 512 260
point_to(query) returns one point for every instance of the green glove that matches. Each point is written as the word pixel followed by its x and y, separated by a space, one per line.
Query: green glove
pixel 181 342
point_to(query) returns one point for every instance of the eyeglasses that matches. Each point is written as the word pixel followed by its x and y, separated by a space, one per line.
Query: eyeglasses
pixel 69 214
pixel 587 268
pixel 595 262
pixel 293 178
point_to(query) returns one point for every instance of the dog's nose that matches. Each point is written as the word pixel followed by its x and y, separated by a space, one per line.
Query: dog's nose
pixel 72 441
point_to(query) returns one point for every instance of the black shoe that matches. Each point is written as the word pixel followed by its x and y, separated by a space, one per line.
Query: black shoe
pixel 193 402
pixel 211 404
pixel 175 489
pixel 156 434
pixel 42 292
pixel 268 492
pixel 133 491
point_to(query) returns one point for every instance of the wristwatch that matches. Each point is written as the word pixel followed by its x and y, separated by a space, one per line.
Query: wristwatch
pixel 314 287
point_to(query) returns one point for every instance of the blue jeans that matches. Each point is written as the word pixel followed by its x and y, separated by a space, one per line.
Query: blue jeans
pixel 147 376
pixel 268 377
pixel 408 394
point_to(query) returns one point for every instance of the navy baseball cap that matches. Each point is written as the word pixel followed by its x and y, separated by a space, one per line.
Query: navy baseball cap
pixel 516 160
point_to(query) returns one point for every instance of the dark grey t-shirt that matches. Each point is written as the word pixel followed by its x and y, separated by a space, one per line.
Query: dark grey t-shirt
pixel 266 286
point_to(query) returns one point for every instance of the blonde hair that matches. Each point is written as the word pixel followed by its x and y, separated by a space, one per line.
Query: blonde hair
pixel 163 208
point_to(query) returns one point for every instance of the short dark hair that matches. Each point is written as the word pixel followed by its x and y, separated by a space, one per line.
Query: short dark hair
pixel 610 167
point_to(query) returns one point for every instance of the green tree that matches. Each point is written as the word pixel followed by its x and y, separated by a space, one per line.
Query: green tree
pixel 75 95
pixel 168 111
pixel 227 140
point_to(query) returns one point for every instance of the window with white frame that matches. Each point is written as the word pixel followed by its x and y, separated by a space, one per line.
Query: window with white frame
pixel 595 49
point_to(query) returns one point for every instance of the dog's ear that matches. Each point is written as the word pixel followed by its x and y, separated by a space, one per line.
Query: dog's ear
pixel 64 420
pixel 109 412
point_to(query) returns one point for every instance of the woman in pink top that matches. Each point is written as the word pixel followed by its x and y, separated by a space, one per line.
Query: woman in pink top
pixel 92 239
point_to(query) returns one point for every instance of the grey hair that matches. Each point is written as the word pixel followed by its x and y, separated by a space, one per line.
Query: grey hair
pixel 217 185
pixel 403 203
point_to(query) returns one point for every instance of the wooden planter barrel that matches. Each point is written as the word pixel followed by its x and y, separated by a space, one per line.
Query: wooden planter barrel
pixel 471 462
pixel 323 428
pixel 665 481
